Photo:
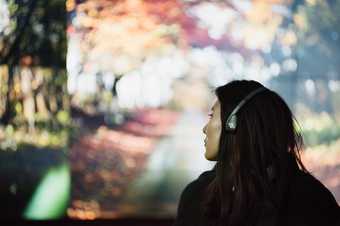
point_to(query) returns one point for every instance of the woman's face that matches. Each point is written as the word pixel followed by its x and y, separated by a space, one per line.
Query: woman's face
pixel 212 130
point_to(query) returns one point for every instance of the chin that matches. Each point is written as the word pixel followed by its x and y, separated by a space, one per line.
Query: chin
pixel 209 157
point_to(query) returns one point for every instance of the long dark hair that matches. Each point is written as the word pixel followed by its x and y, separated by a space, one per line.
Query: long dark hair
pixel 254 163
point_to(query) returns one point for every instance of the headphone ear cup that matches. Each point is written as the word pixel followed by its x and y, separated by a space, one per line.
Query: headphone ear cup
pixel 231 124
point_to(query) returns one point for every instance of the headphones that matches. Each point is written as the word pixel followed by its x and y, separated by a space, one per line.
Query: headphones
pixel 231 122
pixel 231 125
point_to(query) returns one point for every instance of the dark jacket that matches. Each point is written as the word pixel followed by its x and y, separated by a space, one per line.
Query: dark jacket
pixel 309 203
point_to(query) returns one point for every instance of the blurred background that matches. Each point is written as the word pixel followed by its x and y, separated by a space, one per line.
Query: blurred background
pixel 102 102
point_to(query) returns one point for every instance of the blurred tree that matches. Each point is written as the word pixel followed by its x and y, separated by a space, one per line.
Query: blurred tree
pixel 308 45
pixel 37 29
pixel 317 49
pixel 134 38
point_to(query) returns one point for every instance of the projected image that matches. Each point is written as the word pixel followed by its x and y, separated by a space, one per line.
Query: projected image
pixel 35 124
pixel 103 103
pixel 146 70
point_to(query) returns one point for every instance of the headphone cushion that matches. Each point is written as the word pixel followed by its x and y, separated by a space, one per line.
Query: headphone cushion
pixel 231 123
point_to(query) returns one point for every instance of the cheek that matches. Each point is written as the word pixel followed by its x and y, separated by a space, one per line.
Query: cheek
pixel 212 146
pixel 215 140
pixel 215 128
pixel 214 134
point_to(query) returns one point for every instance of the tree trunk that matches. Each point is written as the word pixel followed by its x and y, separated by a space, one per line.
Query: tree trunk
pixel 8 107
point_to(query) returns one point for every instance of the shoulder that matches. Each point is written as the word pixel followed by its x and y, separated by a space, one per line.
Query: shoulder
pixel 307 186
pixel 309 197
pixel 192 193
pixel 196 186
pixel 206 177
pixel 188 211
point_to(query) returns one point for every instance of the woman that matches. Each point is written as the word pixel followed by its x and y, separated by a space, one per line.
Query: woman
pixel 259 178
